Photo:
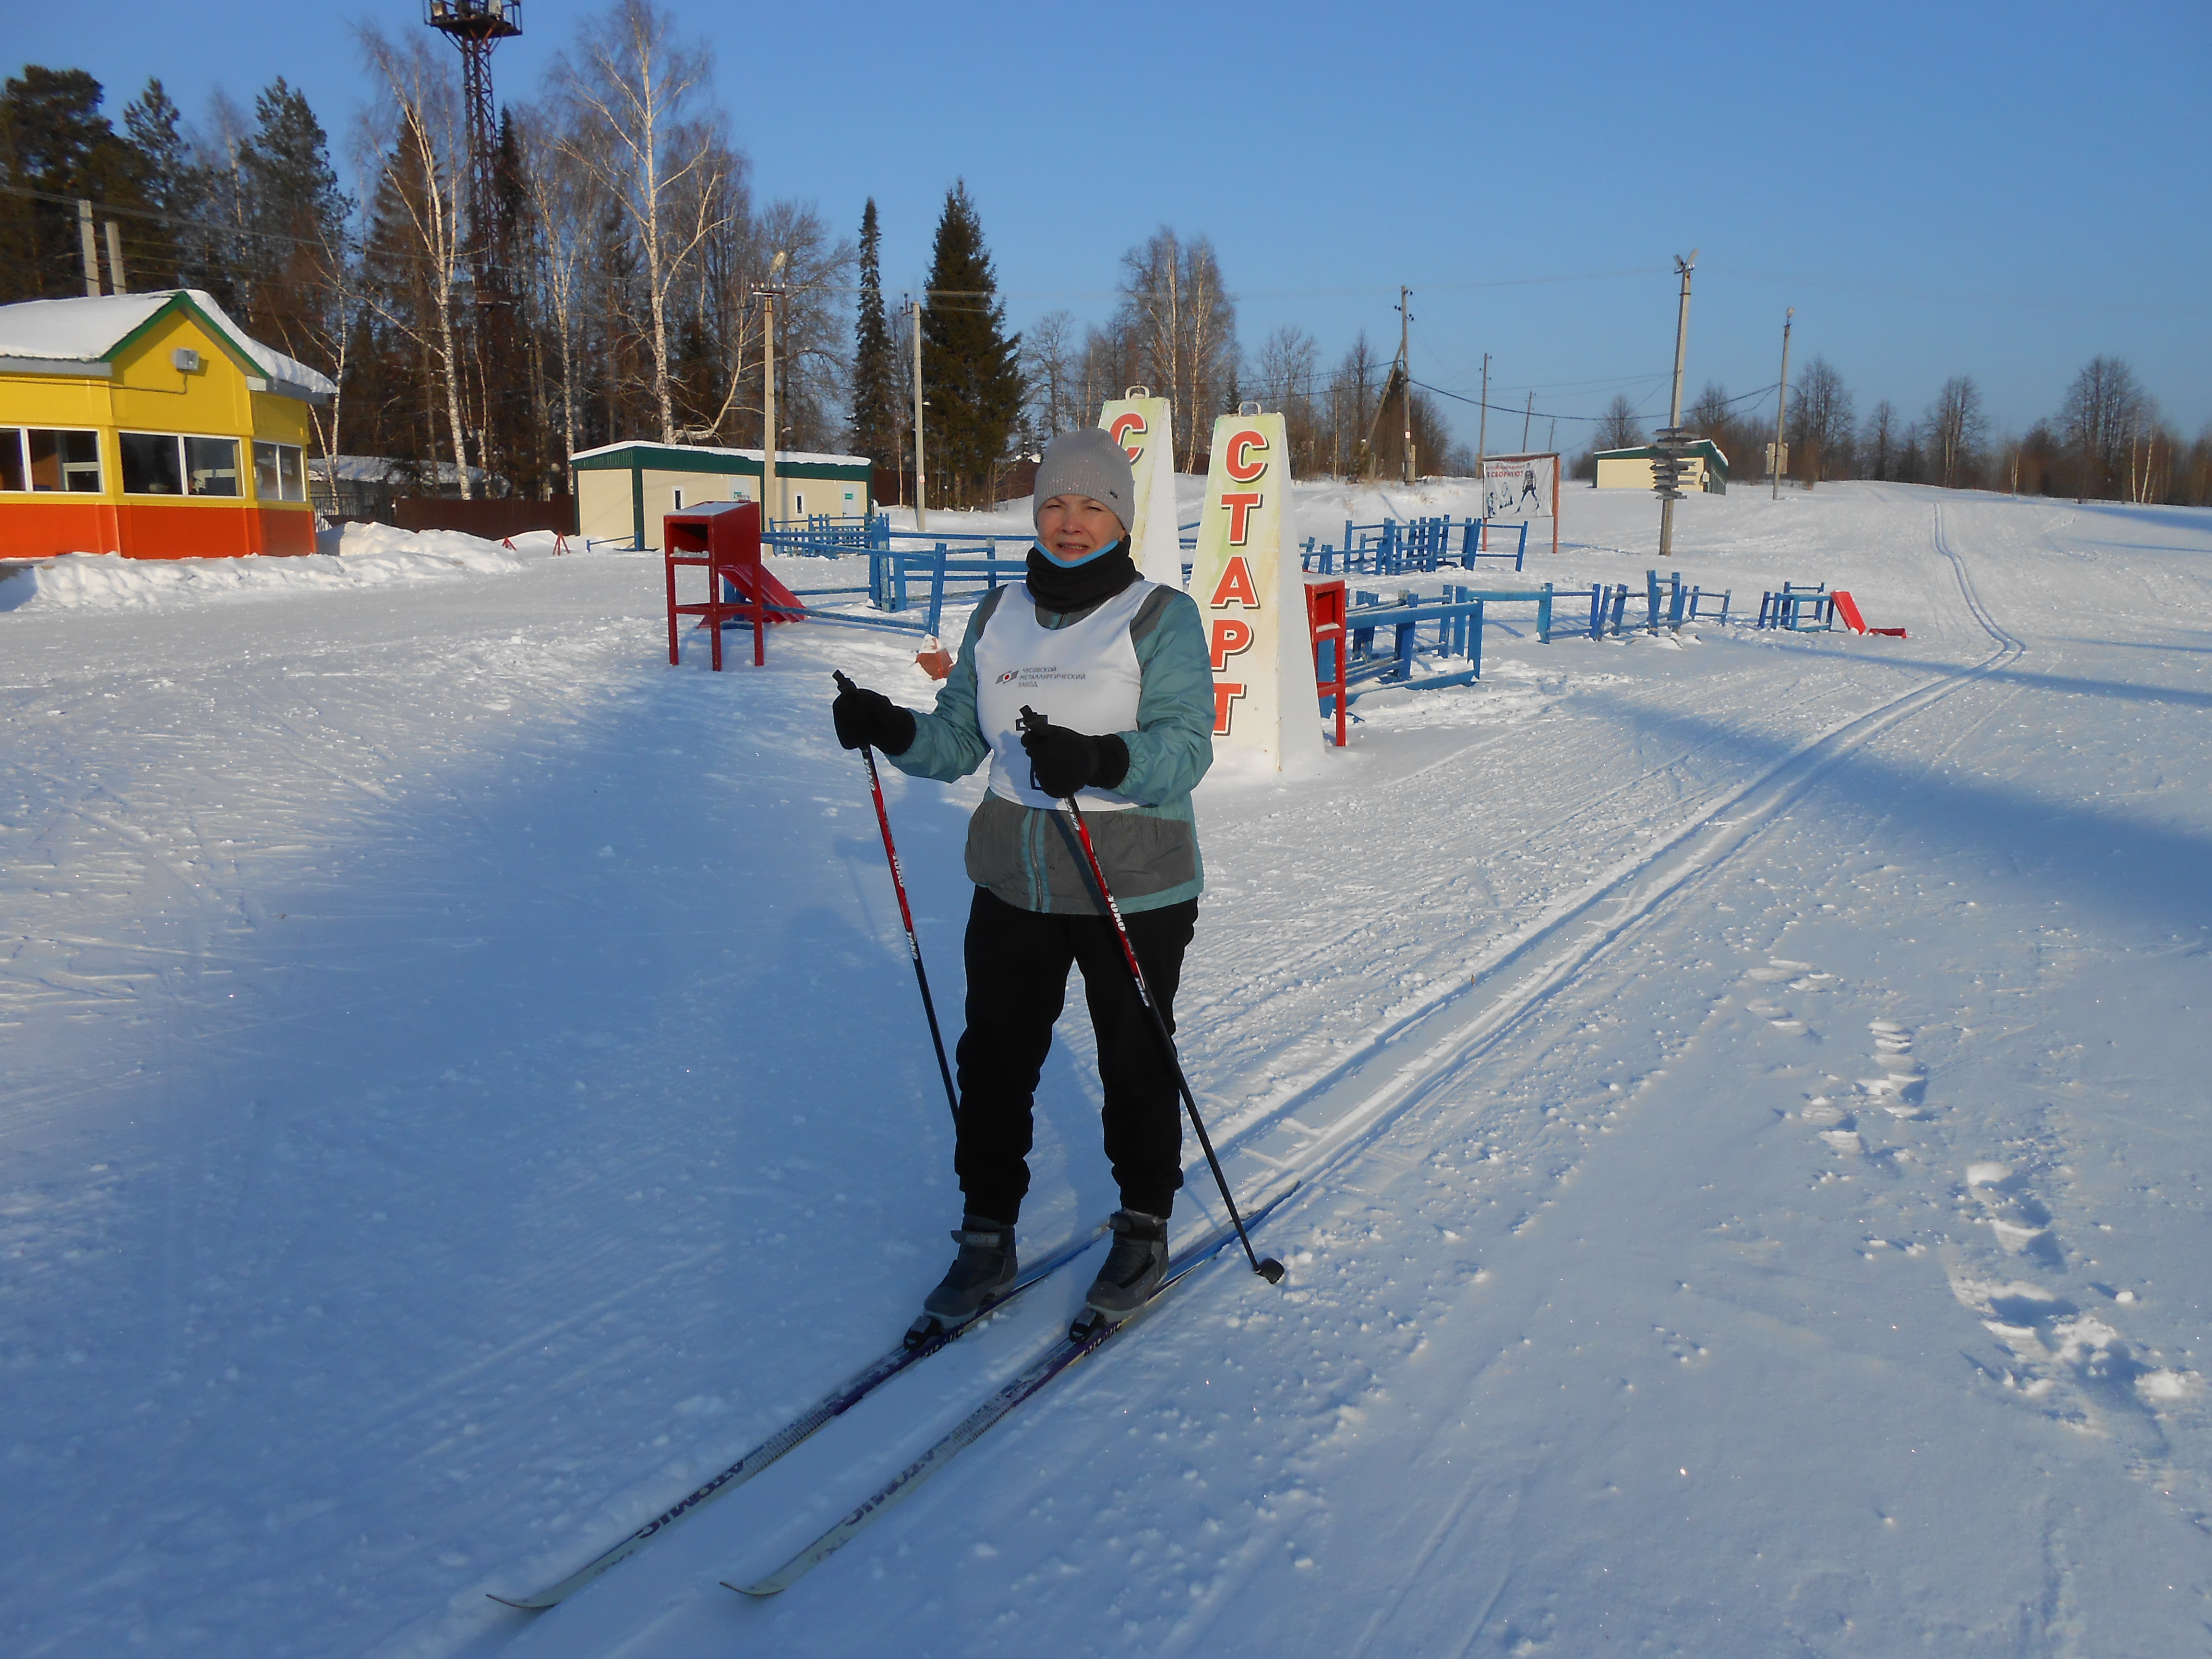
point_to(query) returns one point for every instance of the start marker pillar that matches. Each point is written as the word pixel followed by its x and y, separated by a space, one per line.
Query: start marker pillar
pixel 1252 598
pixel 1144 428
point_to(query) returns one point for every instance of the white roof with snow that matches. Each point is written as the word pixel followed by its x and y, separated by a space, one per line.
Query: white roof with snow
pixel 796 455
pixel 86 330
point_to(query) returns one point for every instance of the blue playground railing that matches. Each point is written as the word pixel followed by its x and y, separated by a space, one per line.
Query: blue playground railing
pixel 1458 613
pixel 1800 607
pixel 1409 547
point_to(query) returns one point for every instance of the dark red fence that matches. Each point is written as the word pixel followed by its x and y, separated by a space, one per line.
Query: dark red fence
pixel 495 519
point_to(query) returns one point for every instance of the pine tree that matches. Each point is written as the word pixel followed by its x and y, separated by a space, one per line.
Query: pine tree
pixel 969 363
pixel 169 182
pixel 54 139
pixel 295 218
pixel 875 376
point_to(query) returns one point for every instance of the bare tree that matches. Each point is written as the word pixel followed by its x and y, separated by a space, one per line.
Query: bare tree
pixel 1881 440
pixel 1618 429
pixel 565 206
pixel 1179 315
pixel 1957 425
pixel 1820 423
pixel 2105 414
pixel 1112 363
pixel 418 136
pixel 810 333
pixel 1052 369
pixel 1288 360
pixel 1353 402
pixel 633 93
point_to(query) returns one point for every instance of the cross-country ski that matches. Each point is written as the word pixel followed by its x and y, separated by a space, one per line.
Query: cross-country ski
pixel 918 1343
pixel 1090 1332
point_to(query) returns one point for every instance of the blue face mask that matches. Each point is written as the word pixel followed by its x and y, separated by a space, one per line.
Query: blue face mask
pixel 1077 564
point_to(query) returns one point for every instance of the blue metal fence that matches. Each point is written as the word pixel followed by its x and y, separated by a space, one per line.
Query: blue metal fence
pixel 1800 607
pixel 1407 547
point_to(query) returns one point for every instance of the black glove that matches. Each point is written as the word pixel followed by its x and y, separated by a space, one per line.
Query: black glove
pixel 870 719
pixel 1063 762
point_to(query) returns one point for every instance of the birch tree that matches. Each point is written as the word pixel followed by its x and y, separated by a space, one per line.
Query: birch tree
pixel 1177 312
pixel 418 138
pixel 641 129
pixel 1956 426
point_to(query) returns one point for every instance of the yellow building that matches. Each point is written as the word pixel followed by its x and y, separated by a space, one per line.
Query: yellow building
pixel 1630 469
pixel 150 425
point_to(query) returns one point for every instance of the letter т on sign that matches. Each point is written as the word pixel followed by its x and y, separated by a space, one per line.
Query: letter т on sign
pixel 1252 595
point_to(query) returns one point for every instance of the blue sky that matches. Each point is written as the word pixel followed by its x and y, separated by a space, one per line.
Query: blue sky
pixel 2003 190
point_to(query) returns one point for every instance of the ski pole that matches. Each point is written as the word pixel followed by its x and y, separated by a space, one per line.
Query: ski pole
pixel 906 915
pixel 1269 1269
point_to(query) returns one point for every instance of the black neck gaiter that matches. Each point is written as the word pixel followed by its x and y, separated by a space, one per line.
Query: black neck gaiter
pixel 1062 589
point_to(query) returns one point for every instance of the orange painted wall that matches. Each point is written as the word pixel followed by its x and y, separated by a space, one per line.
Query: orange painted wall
pixel 37 529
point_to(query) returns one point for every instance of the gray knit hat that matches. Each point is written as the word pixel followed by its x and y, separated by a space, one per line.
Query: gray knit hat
pixel 1088 462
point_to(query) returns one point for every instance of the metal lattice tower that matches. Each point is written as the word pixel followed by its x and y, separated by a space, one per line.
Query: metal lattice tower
pixel 475 26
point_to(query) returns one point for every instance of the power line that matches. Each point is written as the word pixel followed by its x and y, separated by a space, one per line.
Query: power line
pixel 1507 409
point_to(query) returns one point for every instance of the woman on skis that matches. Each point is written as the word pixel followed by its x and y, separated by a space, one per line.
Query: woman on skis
pixel 1118 666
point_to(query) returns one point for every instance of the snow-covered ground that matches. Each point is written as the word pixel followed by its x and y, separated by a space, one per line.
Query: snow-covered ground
pixel 464 1085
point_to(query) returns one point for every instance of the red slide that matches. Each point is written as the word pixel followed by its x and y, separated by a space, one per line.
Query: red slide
pixel 1847 608
pixel 772 593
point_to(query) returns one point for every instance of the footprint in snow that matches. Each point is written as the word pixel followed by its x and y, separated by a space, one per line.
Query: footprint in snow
pixel 1789 975
pixel 2014 1215
pixel 1902 1088
pixel 1838 1128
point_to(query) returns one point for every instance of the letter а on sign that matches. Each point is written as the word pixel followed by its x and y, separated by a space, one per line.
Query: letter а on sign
pixel 1234 587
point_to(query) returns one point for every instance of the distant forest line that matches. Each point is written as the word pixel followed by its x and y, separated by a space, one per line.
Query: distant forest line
pixel 612 273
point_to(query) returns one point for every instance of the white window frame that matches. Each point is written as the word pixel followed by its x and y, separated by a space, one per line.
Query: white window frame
pixel 20 436
pixel 237 492
pixel 184 484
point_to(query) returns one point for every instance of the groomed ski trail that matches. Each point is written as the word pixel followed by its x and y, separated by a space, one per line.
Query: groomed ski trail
pixel 1530 968
pixel 1535 962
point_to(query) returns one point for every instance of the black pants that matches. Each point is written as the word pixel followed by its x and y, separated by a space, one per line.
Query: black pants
pixel 1017 964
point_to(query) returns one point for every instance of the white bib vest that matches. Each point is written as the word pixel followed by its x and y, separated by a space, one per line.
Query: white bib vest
pixel 1084 676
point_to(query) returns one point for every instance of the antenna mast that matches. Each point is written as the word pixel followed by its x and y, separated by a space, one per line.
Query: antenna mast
pixel 475 26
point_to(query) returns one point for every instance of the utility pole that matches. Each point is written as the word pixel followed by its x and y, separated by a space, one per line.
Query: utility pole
pixel 1482 441
pixel 1669 495
pixel 117 283
pixel 1781 403
pixel 1527 415
pixel 769 502
pixel 1405 378
pixel 91 249
pixel 921 494
pixel 767 409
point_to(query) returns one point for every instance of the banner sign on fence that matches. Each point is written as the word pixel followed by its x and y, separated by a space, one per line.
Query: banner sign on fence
pixel 1252 597
pixel 1521 487
pixel 1144 426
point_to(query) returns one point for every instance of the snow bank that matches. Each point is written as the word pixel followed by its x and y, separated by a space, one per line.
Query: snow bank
pixel 367 555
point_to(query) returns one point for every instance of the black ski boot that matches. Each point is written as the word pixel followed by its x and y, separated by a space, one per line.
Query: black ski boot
pixel 985 1265
pixel 1135 1268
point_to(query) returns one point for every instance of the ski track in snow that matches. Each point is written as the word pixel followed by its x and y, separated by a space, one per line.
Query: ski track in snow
pixel 1707 1246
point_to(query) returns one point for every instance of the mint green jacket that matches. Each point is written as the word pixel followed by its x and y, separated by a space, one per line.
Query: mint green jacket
pixel 1028 856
